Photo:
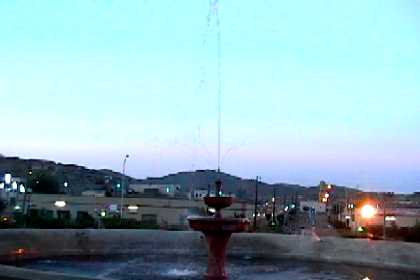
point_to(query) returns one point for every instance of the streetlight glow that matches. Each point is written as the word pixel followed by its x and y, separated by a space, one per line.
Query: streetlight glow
pixel 368 211
pixel 7 178
pixel 390 218
pixel 132 208
pixel 60 203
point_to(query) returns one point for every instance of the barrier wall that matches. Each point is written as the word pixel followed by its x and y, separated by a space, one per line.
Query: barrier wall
pixel 17 244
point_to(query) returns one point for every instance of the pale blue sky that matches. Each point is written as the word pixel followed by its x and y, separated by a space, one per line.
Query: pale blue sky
pixel 312 90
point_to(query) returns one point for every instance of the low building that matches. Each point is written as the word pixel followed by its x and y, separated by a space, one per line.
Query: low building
pixel 155 189
pixel 166 213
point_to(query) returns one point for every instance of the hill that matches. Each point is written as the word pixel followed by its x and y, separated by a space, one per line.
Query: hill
pixel 80 178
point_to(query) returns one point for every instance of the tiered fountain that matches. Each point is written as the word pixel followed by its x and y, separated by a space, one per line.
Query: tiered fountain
pixel 217 231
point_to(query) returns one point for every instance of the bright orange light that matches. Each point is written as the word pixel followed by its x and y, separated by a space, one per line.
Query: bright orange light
pixel 324 199
pixel 368 211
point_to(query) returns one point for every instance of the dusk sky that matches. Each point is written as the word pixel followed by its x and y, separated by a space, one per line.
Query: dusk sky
pixel 311 90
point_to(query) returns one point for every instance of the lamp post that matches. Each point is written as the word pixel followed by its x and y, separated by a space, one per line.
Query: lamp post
pixel 273 223
pixel 256 202
pixel 122 185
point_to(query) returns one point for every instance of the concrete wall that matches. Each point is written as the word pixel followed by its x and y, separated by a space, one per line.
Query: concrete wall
pixel 50 243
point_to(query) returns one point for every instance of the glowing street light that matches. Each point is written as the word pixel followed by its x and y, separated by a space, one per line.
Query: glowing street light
pixel 132 208
pixel 60 203
pixel 368 211
pixel 390 218
pixel 7 178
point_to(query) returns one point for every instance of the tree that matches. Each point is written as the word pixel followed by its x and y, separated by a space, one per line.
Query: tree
pixel 44 182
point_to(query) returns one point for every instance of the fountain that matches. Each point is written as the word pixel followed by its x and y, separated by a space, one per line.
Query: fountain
pixel 217 231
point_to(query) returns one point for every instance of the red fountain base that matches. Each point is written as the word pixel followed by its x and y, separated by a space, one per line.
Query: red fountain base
pixel 217 231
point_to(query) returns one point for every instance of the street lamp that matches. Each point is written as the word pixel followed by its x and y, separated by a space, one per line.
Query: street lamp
pixel 122 185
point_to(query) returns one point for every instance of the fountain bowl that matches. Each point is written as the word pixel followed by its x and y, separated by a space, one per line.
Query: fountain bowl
pixel 218 202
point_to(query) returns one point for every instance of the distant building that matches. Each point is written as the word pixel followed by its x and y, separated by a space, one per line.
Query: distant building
pixel 165 213
pixel 401 211
pixel 312 204
pixel 155 189
pixel 94 193
pixel 199 194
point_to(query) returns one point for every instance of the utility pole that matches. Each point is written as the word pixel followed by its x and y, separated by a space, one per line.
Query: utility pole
pixel 122 186
pixel 384 205
pixel 385 197
pixel 255 203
